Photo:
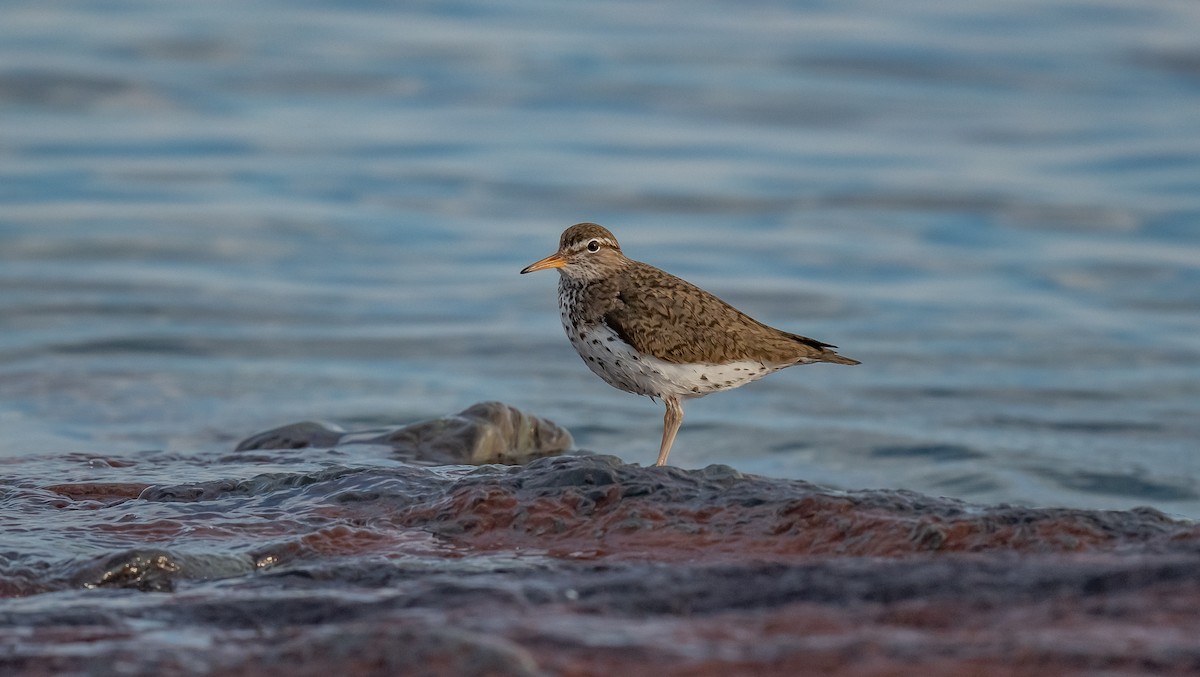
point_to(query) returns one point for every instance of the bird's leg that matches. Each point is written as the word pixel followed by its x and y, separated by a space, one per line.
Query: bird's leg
pixel 671 423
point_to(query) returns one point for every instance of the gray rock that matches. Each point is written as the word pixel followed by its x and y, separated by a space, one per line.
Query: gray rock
pixel 294 436
pixel 487 432
pixel 157 570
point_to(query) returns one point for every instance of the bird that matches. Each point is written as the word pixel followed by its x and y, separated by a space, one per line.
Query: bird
pixel 648 332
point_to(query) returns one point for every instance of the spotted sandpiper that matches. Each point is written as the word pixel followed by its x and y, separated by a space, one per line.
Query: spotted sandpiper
pixel 648 332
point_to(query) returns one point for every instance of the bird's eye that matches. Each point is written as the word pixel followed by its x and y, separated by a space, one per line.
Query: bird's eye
pixel 594 246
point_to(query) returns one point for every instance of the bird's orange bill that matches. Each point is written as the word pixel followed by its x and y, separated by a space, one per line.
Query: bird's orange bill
pixel 555 260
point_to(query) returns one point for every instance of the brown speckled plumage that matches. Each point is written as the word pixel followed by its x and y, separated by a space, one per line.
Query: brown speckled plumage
pixel 674 320
pixel 685 341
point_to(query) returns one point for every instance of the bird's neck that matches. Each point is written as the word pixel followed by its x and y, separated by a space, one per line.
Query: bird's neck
pixel 587 299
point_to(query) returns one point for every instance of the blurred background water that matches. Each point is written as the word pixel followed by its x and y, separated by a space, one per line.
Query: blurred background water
pixel 221 216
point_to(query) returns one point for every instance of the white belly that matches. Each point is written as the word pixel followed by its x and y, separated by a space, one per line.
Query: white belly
pixel 614 361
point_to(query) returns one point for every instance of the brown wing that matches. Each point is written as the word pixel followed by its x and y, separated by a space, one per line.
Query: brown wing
pixel 676 321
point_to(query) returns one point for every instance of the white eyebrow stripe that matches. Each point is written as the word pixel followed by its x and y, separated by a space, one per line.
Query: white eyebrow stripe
pixel 602 240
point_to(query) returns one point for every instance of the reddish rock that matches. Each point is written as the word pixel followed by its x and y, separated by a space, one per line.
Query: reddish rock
pixel 584 565
pixel 101 493
pixel 600 507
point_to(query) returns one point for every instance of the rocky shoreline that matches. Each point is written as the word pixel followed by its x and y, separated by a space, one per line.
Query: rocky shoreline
pixel 585 565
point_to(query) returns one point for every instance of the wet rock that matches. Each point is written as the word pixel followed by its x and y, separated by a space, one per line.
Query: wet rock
pixel 98 492
pixel 265 485
pixel 294 436
pixel 394 648
pixel 487 432
pixel 927 615
pixel 600 504
pixel 158 570
pixel 584 565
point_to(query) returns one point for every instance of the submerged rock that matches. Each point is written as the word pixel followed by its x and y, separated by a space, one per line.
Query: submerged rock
pixel 391 648
pixel 154 570
pixel 487 432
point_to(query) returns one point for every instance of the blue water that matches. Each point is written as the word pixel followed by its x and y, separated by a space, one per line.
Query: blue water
pixel 223 216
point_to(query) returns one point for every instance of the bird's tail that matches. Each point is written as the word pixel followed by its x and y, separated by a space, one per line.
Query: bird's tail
pixel 830 356
pixel 824 351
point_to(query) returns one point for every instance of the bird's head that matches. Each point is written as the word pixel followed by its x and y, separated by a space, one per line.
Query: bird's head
pixel 586 251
